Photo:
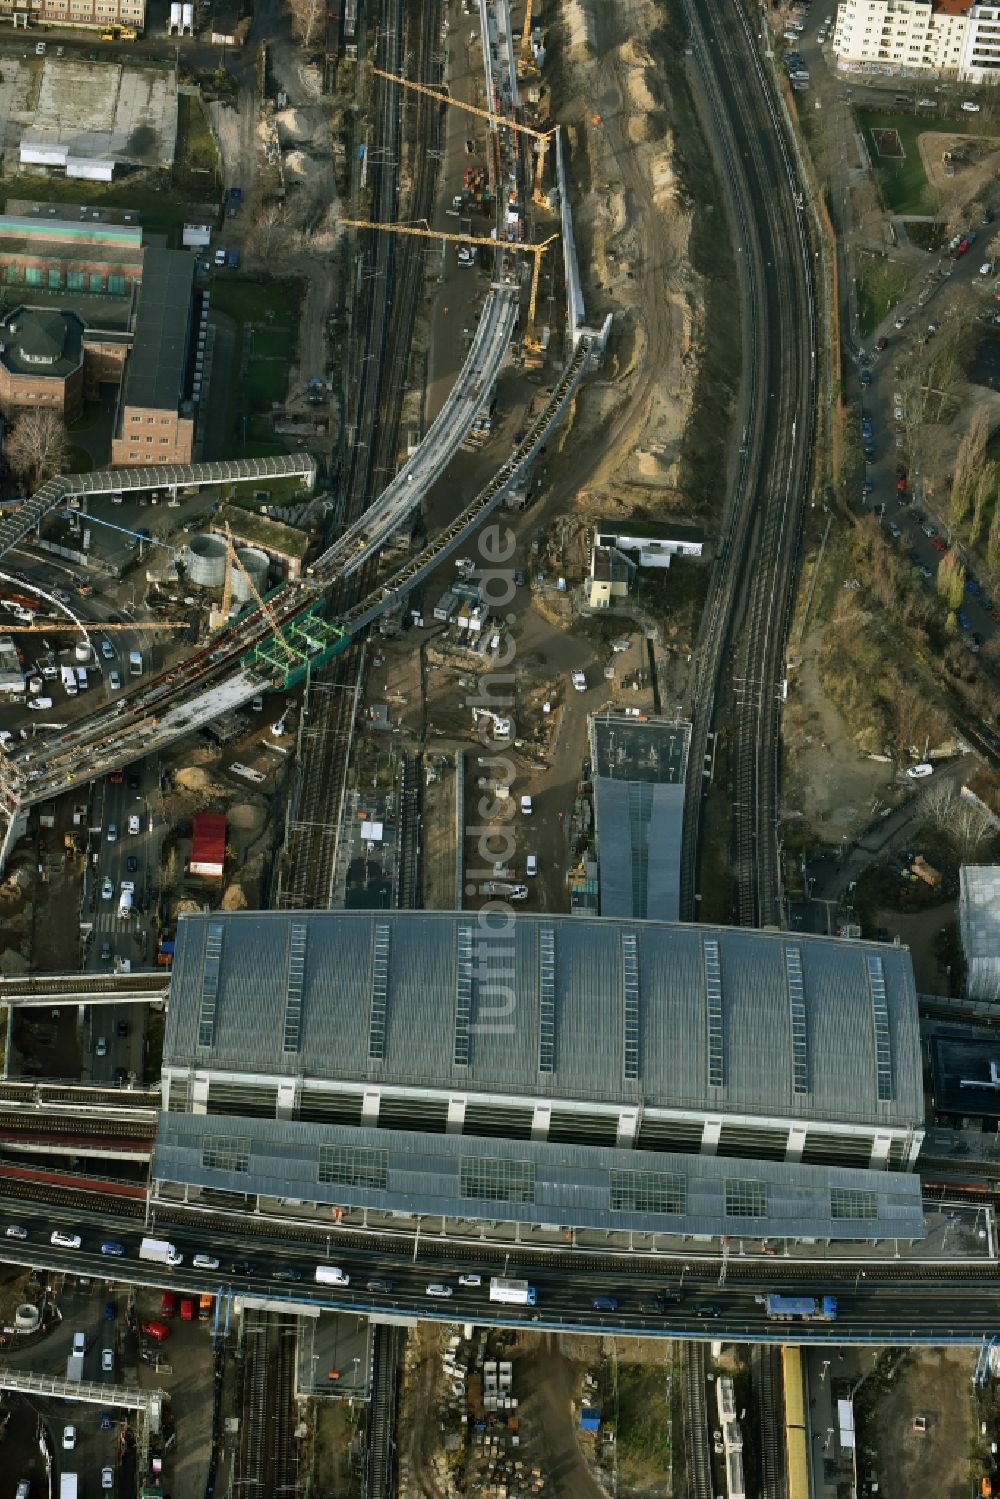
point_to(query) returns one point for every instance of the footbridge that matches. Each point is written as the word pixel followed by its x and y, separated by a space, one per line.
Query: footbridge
pixel 84 988
pixel 72 489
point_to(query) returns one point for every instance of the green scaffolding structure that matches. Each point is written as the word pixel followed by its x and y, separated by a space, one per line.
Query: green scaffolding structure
pixel 305 644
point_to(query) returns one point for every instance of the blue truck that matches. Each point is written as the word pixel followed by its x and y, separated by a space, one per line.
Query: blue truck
pixel 800 1308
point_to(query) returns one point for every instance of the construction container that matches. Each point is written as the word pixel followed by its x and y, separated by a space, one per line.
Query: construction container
pixel 258 565
pixel 205 560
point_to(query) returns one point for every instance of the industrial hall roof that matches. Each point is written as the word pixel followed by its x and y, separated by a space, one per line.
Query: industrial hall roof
pixel 714 1019
pixel 530 1182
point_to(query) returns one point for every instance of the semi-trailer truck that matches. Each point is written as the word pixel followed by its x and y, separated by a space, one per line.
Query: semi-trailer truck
pixel 799 1308
pixel 512 1292
pixel 160 1252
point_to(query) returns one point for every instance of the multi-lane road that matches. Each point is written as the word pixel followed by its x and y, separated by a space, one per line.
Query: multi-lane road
pixel 877 1302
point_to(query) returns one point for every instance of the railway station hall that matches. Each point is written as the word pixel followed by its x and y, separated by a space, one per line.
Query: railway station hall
pixel 542 1078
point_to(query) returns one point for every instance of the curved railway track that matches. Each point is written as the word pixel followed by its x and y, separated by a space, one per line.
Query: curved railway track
pixel 746 616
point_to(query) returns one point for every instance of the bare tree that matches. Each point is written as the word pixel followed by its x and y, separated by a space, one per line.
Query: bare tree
pixel 986 484
pixel 967 824
pixel 993 541
pixel 306 17
pixel 951 580
pixel 38 446
pixel 972 827
pixel 971 456
pixel 267 233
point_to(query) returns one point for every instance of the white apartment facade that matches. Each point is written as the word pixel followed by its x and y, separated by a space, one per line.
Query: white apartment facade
pixel 904 35
pixel 981 53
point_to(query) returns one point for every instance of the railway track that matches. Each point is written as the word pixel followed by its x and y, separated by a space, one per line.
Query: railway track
pixel 393 278
pixel 747 613
pixel 381 1448
pixel 769 1420
pixel 251 1464
pixel 408 821
pixel 138 1131
pixel 697 1446
pixel 285 1464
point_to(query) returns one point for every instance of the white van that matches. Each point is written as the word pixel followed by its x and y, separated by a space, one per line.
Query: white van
pixel 531 867
pixel 526 805
pixel 331 1275
pixel 81 678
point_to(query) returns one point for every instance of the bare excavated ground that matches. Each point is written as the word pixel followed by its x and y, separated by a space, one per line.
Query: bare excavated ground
pixel 935 1383
pixel 827 778
pixel 632 225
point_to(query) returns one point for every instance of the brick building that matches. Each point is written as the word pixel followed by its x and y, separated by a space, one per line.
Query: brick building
pixel 88 13
pixel 42 361
pixel 155 420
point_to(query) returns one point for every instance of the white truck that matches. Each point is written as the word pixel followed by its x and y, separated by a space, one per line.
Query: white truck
pixel 68 678
pixel 67 1486
pixel 512 1292
pixel 74 1366
pixel 160 1252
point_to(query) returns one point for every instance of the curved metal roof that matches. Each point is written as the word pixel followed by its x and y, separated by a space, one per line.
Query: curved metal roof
pixel 718 1020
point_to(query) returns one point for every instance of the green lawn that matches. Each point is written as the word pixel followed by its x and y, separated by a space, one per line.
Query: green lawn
pixel 196 159
pixel 881 284
pixel 643 1437
pixel 903 181
pixel 272 310
pixel 78 461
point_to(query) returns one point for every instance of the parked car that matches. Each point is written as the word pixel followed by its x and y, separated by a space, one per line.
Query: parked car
pixel 158 1331
pixel 920 772
pixel 970 107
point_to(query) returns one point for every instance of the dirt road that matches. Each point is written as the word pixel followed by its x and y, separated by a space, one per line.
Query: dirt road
pixel 548 1382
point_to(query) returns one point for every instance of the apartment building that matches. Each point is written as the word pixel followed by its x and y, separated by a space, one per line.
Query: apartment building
pixel 981 53
pixel 904 35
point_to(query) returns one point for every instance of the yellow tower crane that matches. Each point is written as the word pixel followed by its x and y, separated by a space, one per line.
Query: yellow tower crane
pixel 527 61
pixel 220 617
pixel 540 137
pixel 424 231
